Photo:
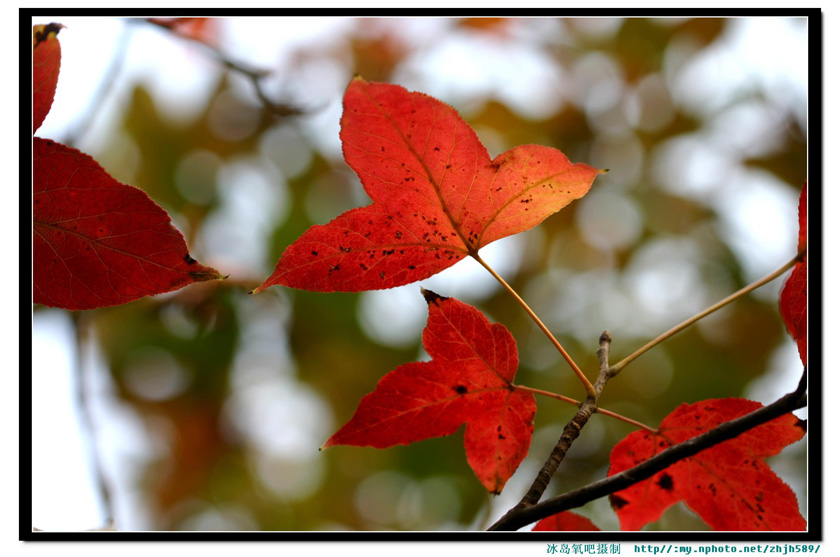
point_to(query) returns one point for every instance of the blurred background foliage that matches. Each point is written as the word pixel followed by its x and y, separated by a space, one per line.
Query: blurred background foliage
pixel 209 405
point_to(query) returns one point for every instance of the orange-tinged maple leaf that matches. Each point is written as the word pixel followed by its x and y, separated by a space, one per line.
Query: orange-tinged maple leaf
pixel 729 486
pixel 469 380
pixel 437 195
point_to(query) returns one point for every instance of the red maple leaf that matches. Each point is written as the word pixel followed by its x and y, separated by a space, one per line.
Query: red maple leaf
pixel 469 380
pixel 95 242
pixel 565 521
pixel 437 195
pixel 793 301
pixel 729 486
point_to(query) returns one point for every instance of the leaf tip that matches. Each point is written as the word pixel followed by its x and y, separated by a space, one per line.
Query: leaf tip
pixel 431 297
pixel 205 275
pixel 603 171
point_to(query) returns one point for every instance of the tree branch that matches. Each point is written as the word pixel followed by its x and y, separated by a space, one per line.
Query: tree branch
pixel 570 433
pixel 521 516
pixel 255 76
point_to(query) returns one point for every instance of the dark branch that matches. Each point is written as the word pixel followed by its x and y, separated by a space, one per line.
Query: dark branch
pixel 255 76
pixel 570 433
pixel 518 517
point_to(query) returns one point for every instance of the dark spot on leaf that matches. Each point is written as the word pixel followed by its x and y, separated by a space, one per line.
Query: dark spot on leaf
pixel 314 252
pixel 382 275
pixel 399 234
pixel 188 260
pixel 345 250
pixel 802 424
pixel 666 482
pixel 363 266
pixel 460 389
pixel 437 148
pixel 617 502
pixel 334 268
pixel 501 437
pixel 412 267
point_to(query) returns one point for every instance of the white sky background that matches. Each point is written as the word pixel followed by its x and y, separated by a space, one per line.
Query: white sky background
pixel 55 393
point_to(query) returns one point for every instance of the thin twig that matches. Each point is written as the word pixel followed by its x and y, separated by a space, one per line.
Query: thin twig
pixel 255 76
pixel 570 400
pixel 517 518
pixel 570 433
pixel 590 391
pixel 86 416
pixel 731 298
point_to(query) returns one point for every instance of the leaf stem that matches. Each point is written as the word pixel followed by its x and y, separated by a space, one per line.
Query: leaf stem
pixel 590 390
pixel 615 369
pixel 603 411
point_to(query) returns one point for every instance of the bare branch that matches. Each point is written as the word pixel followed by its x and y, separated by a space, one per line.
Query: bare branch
pixel 570 433
pixel 518 517
pixel 255 76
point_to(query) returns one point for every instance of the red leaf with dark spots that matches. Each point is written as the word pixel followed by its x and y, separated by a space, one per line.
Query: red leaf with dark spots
pixel 46 61
pixel 97 242
pixel 469 380
pixel 729 486
pixel 437 195
pixel 566 521
pixel 793 301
